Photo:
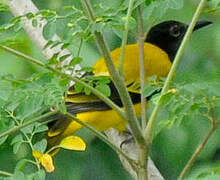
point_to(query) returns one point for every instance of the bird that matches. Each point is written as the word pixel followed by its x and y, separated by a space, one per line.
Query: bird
pixel 160 48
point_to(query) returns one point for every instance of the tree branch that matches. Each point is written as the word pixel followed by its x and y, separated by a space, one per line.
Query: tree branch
pixel 117 79
pixel 143 153
pixel 141 38
pixel 16 128
pixel 125 37
pixel 198 150
pixel 5 173
pixel 22 7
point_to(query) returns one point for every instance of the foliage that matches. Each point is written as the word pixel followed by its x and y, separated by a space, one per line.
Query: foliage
pixel 186 101
pixel 24 99
pixel 21 101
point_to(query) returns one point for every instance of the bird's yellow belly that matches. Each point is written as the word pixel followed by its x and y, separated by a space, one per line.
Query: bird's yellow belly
pixel 101 120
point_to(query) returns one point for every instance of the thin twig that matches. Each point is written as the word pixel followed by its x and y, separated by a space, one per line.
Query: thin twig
pixel 148 129
pixel 140 38
pixel 16 128
pixel 198 150
pixel 125 38
pixel 80 47
pixel 5 173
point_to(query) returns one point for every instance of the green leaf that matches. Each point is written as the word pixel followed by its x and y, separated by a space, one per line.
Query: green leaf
pixel 20 164
pixel 65 45
pixel 78 87
pixel 102 79
pixel 118 31
pixel 64 82
pixel 87 91
pixel 131 23
pixel 54 59
pixel 156 98
pixel 48 44
pixel 16 146
pixel 156 9
pixel 16 139
pixel 49 30
pixel 56 43
pixel 18 175
pixel 62 58
pixel 149 90
pixel 40 128
pixel 153 78
pixel 4 7
pixel 105 89
pixel 29 106
pixel 3 139
pixel 39 175
pixel 62 108
pixel 208 175
pixel 34 23
pixel 29 15
pixel 75 61
pixel 41 145
pixel 97 27
pixel 28 129
pixel 87 69
pixel 44 78
pixel 18 26
pixel 175 4
pixel 148 2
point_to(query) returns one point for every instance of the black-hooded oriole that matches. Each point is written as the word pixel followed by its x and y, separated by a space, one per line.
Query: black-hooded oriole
pixel 160 47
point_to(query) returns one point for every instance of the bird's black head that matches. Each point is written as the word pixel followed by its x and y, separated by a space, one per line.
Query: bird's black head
pixel 169 34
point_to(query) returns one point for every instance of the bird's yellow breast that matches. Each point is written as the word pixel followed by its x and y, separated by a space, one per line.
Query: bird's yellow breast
pixel 156 62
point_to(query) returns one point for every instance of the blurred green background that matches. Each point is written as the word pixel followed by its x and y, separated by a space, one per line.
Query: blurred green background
pixel 172 147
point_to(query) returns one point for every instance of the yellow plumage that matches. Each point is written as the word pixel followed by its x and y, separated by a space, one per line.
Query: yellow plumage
pixel 156 63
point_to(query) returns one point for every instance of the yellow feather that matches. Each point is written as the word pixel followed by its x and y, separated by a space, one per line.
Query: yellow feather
pixel 101 120
pixel 156 62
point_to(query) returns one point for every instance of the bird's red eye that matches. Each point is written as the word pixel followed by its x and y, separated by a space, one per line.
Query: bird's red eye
pixel 175 31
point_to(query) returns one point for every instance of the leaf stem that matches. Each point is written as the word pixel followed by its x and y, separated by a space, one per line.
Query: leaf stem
pixel 197 152
pixel 171 75
pixel 75 79
pixel 16 128
pixel 80 47
pixel 140 39
pixel 125 37
pixel 5 173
